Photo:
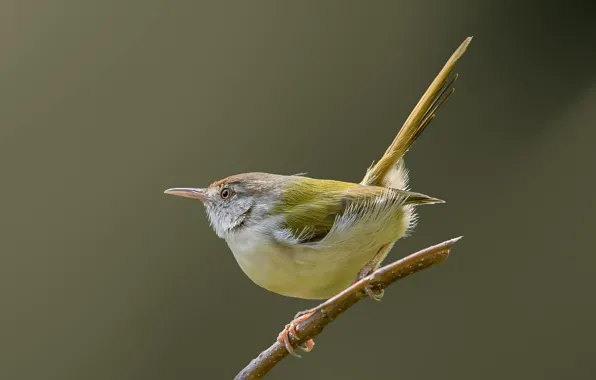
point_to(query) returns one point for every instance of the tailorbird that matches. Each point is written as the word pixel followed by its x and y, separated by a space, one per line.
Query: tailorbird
pixel 311 238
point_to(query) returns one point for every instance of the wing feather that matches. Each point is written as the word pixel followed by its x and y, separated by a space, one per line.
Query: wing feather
pixel 312 221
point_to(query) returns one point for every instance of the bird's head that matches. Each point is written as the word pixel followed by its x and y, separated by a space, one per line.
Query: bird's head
pixel 238 200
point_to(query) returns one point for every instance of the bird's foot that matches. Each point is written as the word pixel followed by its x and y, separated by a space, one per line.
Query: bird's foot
pixel 367 270
pixel 284 336
pixel 375 295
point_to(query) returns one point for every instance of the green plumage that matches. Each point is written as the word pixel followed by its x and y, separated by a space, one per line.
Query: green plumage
pixel 266 219
pixel 311 206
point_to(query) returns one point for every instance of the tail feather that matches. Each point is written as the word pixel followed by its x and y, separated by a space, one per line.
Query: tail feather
pixel 420 199
pixel 437 93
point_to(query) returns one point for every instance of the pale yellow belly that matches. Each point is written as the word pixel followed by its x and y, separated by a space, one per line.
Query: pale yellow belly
pixel 318 272
pixel 303 273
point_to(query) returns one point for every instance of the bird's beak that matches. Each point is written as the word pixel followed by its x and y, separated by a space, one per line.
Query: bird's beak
pixel 187 192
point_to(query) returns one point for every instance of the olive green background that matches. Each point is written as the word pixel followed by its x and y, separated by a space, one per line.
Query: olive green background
pixel 105 104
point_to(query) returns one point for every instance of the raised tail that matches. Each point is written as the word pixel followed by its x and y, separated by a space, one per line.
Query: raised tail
pixel 389 171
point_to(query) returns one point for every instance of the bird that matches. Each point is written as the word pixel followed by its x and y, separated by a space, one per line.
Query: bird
pixel 311 238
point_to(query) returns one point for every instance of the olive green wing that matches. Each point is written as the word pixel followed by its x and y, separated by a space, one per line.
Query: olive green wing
pixel 310 209
pixel 309 223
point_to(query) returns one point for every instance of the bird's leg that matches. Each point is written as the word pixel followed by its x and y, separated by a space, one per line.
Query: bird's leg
pixel 284 336
pixel 370 267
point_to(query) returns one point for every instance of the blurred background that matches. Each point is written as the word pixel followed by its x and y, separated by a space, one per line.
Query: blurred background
pixel 104 105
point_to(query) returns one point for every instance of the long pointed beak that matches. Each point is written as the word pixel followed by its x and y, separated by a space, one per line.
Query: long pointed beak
pixel 187 192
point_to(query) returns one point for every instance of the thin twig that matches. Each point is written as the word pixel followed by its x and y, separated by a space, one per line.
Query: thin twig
pixel 326 312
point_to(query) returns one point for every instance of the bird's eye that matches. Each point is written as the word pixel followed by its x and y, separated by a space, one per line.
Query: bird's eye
pixel 225 193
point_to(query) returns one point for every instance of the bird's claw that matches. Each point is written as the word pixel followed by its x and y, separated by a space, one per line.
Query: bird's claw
pixel 377 296
pixel 368 289
pixel 284 336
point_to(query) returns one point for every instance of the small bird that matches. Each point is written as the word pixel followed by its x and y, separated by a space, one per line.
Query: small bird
pixel 311 238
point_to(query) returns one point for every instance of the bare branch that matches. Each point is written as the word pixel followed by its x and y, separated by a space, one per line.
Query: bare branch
pixel 326 312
